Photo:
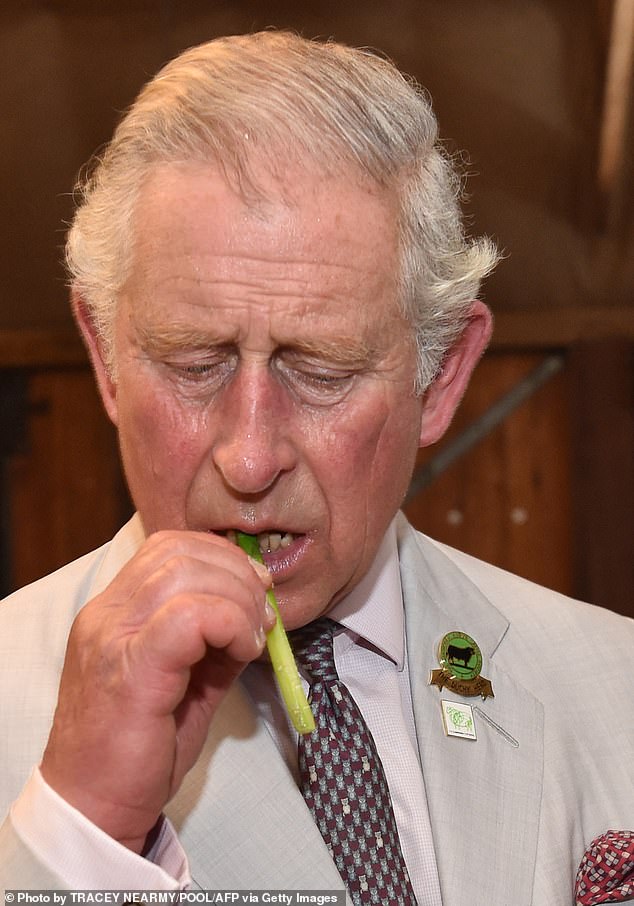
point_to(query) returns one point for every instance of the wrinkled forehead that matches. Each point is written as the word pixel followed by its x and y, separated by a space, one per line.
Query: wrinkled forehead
pixel 317 251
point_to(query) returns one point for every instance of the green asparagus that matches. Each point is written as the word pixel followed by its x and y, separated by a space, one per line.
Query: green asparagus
pixel 281 654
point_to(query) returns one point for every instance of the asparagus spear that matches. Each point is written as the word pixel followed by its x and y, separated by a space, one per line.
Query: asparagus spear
pixel 281 654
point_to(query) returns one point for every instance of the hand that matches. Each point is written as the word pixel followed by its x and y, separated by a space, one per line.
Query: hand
pixel 147 664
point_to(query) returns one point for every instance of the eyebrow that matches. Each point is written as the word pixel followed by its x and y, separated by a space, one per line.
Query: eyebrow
pixel 344 351
pixel 177 338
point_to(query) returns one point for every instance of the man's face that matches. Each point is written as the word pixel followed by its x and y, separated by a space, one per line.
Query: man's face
pixel 264 373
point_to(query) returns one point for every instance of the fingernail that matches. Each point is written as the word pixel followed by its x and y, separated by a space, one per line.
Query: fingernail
pixel 261 570
pixel 269 612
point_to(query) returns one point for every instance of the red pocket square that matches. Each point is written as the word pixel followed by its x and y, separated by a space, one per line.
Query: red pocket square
pixel 606 873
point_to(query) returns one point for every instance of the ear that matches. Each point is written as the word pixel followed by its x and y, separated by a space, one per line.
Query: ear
pixel 94 344
pixel 442 398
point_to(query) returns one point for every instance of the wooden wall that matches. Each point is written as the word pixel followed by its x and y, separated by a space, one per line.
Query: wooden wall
pixel 63 488
pixel 509 501
pixel 549 493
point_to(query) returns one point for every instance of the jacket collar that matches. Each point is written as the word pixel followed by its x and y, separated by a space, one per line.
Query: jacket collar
pixel 483 795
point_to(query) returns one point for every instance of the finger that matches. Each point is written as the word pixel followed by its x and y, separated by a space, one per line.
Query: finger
pixel 179 634
pixel 182 575
pixel 157 565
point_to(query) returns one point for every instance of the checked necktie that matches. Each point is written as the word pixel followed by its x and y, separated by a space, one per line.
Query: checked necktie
pixel 343 781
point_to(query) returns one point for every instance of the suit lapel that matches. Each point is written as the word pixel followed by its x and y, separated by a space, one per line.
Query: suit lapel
pixel 483 795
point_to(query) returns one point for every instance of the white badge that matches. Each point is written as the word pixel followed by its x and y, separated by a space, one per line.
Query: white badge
pixel 458 720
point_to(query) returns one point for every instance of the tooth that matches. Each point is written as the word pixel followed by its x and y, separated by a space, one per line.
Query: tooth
pixel 274 541
pixel 269 542
pixel 263 542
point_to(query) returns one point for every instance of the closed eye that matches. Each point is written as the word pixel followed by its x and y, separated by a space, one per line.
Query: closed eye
pixel 315 384
pixel 196 370
pixel 202 372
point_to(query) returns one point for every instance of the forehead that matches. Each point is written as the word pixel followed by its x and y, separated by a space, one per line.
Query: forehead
pixel 319 246
pixel 196 202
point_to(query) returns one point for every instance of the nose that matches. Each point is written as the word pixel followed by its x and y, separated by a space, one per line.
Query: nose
pixel 252 447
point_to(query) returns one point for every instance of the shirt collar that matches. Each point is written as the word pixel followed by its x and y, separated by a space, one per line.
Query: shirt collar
pixel 374 607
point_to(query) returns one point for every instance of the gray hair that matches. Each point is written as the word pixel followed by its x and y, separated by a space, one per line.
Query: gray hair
pixel 264 97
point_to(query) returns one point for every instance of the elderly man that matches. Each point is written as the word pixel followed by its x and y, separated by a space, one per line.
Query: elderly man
pixel 272 280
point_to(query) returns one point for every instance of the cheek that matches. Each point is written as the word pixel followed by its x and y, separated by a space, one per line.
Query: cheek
pixel 161 446
pixel 367 454
pixel 376 458
pixel 363 469
pixel 345 447
pixel 393 463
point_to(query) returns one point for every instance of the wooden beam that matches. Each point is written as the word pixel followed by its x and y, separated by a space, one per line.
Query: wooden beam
pixel 612 158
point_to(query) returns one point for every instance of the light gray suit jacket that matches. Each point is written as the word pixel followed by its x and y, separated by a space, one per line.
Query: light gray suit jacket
pixel 511 813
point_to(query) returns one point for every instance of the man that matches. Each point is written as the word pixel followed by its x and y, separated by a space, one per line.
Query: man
pixel 271 277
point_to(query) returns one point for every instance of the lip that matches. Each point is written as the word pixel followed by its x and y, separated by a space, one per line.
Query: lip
pixel 283 562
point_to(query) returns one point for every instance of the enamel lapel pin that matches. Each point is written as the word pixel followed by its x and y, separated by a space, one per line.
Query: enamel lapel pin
pixel 460 665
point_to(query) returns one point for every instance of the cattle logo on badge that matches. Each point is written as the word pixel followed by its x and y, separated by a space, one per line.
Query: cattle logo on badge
pixel 460 665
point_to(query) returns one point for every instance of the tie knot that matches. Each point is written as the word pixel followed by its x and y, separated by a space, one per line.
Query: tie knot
pixel 312 645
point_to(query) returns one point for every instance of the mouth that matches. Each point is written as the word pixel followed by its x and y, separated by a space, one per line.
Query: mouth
pixel 268 542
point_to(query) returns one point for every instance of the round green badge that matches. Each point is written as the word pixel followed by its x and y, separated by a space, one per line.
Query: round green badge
pixel 460 656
